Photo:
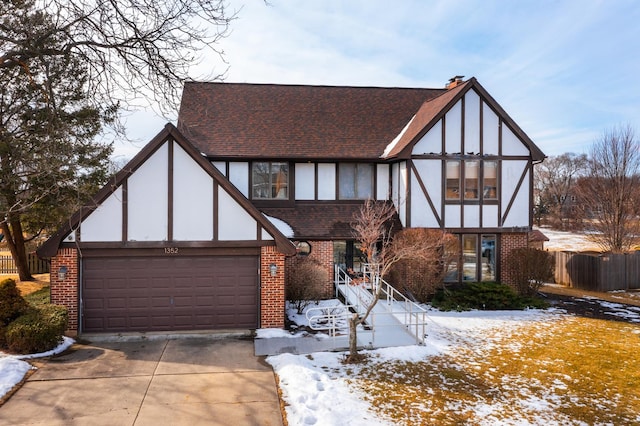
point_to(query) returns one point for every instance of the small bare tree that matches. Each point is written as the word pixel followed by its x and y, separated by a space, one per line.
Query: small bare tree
pixel 531 269
pixel 373 230
pixel 611 190
pixel 419 278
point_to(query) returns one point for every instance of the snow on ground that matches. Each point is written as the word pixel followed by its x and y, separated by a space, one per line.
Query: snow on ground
pixel 567 241
pixel 316 387
pixel 13 368
pixel 629 313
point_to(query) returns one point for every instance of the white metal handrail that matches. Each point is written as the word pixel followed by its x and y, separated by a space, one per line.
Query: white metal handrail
pixel 413 316
pixel 408 313
pixel 332 319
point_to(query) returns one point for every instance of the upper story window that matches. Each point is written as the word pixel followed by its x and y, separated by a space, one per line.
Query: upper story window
pixel 355 181
pixel 471 180
pixel 490 182
pixel 453 180
pixel 465 178
pixel 270 180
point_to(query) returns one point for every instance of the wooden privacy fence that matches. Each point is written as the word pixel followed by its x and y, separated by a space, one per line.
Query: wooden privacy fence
pixel 36 265
pixel 605 272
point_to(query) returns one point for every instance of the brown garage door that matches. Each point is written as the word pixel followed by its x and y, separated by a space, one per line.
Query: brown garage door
pixel 169 293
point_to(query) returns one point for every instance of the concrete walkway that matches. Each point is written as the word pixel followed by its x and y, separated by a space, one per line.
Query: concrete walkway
pixel 195 381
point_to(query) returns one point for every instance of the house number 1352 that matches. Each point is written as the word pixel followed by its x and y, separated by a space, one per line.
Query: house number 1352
pixel 171 250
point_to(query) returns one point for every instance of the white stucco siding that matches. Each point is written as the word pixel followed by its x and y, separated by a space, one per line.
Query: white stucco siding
pixel 431 142
pixel 430 172
pixel 104 223
pixel 382 182
pixel 147 199
pixel 239 176
pixel 402 192
pixel 395 183
pixel 520 210
pixel 305 181
pixel 453 129
pixel 490 216
pixel 490 131
pixel 234 223
pixel 326 181
pixel 452 216
pixel 421 213
pixel 511 172
pixel 511 145
pixel 221 166
pixel 472 216
pixel 192 199
pixel 472 122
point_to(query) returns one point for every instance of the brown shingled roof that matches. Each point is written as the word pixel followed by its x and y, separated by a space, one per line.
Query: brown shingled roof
pixel 296 122
pixel 322 221
pixel 537 236
pixel 430 111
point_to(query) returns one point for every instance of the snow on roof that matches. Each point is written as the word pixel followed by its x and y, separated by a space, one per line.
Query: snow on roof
pixel 282 226
pixel 393 143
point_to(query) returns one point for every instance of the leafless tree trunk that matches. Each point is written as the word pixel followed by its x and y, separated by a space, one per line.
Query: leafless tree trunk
pixel 12 229
pixel 384 248
pixel 611 190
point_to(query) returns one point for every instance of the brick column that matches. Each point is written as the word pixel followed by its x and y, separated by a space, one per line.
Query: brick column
pixel 509 242
pixel 65 291
pixel 272 307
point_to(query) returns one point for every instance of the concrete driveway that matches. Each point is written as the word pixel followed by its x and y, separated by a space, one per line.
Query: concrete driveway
pixel 194 381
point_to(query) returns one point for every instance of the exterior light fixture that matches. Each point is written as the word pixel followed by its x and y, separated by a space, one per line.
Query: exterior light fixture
pixel 62 272
pixel 273 269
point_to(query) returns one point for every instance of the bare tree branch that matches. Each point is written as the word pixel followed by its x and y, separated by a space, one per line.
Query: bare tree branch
pixel 611 190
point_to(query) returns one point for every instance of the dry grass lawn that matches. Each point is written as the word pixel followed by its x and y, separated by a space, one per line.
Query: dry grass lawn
pixel 569 371
pixel 27 287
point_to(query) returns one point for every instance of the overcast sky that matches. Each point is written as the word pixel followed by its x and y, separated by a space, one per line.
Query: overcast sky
pixel 564 70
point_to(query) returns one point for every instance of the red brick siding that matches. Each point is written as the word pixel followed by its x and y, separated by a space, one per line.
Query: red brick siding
pixel 272 308
pixel 510 242
pixel 65 292
pixel 321 252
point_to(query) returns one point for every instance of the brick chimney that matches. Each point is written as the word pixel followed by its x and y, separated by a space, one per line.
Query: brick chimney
pixel 454 82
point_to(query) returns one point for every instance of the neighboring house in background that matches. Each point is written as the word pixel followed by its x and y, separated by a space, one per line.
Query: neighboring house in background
pixel 254 167
pixel 537 239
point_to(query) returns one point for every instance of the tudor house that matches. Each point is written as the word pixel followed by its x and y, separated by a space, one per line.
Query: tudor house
pixel 195 231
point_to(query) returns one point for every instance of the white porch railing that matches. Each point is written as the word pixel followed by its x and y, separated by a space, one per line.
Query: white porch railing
pixel 333 319
pixel 393 309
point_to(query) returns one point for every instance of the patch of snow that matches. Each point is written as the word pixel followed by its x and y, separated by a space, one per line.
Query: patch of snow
pixel 316 387
pixel 269 333
pixel 63 346
pixel 317 391
pixel 301 319
pixel 567 241
pixel 281 225
pixel 13 369
pixel 395 141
